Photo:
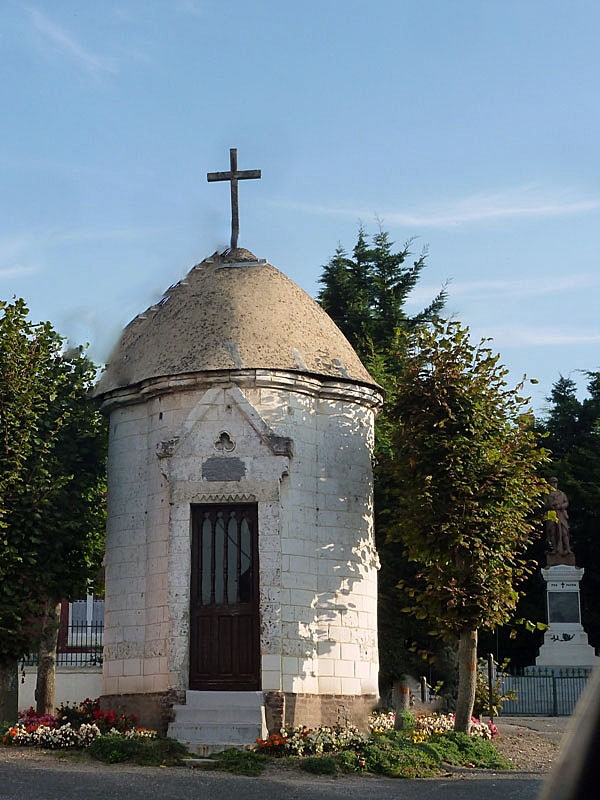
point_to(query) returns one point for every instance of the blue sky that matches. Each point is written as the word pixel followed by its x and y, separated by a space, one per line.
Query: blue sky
pixel 472 126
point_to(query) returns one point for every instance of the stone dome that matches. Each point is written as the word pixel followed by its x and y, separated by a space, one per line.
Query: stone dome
pixel 232 312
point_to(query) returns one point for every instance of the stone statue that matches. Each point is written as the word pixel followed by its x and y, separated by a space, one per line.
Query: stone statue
pixel 556 523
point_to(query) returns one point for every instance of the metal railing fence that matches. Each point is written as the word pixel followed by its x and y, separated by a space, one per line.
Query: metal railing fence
pixel 548 692
pixel 81 647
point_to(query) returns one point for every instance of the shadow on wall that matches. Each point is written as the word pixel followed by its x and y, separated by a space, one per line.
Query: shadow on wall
pixel 342 625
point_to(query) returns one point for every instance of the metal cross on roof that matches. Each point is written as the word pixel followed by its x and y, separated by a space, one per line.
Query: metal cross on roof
pixel 234 175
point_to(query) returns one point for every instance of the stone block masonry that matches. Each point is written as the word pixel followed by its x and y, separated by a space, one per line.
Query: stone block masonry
pixel 317 558
pixel 218 420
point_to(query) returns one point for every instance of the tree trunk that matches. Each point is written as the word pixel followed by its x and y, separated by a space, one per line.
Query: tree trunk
pixel 400 701
pixel 46 672
pixel 467 679
pixel 9 691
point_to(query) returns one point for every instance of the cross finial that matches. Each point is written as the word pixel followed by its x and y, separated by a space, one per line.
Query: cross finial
pixel 234 175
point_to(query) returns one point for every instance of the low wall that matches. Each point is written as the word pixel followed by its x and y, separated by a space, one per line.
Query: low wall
pixel 73 684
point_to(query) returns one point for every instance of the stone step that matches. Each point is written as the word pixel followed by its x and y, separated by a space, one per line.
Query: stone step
pixel 240 714
pixel 245 734
pixel 203 750
pixel 218 700
pixel 213 721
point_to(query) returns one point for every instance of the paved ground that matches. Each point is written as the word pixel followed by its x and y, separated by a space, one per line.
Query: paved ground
pixel 67 782
pixel 553 727
pixel 26 774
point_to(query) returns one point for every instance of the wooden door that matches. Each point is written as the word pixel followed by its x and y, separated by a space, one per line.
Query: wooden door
pixel 224 618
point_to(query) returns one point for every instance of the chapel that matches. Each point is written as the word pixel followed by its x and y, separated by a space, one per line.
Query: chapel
pixel 241 569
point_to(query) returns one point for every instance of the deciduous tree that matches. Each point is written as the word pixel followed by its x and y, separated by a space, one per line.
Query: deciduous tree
pixel 465 470
pixel 52 463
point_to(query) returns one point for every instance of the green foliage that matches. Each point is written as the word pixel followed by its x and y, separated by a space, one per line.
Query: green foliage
pixel 465 481
pixel 114 749
pixel 365 294
pixel 240 762
pixel 320 765
pixel 465 472
pixel 571 427
pixel 395 756
pixel 482 690
pixel 350 761
pixel 406 722
pixel 460 749
pixel 52 484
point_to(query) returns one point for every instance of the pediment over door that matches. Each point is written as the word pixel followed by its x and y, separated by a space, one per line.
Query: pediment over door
pixel 224 438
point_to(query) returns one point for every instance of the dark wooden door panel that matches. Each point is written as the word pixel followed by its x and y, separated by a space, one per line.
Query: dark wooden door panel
pixel 224 615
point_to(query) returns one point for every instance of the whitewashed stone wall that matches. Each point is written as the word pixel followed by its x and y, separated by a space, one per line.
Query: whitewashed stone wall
pixel 304 448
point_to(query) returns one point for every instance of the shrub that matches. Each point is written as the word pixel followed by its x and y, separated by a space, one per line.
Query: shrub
pixel 320 765
pixel 351 761
pixel 394 755
pixel 112 748
pixel 407 721
pixel 240 762
pixel 468 751
pixel 482 690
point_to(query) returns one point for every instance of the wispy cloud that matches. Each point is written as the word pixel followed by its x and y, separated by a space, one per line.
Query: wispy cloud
pixel 66 44
pixel 17 271
pixel 506 288
pixel 520 202
pixel 522 335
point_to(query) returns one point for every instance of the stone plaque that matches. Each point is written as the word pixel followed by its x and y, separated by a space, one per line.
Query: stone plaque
pixel 563 607
pixel 220 468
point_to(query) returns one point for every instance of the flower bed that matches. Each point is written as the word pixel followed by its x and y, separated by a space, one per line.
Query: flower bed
pixel 427 725
pixel 301 741
pixel 72 727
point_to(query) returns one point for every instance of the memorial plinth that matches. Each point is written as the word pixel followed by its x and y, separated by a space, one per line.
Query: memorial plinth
pixel 565 641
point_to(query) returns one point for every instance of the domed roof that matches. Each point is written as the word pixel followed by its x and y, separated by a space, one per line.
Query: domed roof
pixel 232 312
